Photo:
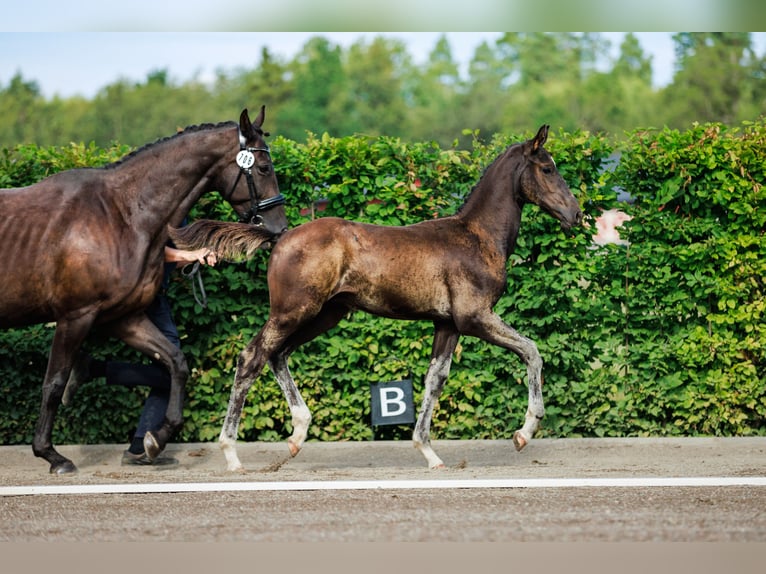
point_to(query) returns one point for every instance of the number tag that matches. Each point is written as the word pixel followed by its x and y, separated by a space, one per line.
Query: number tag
pixel 245 159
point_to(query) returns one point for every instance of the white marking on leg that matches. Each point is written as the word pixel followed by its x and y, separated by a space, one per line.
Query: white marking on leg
pixel 229 448
pixel 535 407
pixel 228 437
pixel 301 421
pixel 301 416
pixel 437 374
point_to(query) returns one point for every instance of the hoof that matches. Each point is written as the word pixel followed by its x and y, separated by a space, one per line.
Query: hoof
pixel 439 466
pixel 519 441
pixel 294 449
pixel 151 446
pixel 66 467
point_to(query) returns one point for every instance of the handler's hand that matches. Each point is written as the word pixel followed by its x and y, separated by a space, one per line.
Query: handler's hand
pixel 205 256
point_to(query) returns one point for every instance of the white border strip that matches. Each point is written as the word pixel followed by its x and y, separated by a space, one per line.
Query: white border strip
pixel 381 485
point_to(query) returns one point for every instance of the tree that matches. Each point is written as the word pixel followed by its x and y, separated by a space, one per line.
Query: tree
pixel 548 76
pixel 621 99
pixel 317 81
pixel 376 102
pixel 435 89
pixel 489 75
pixel 20 103
pixel 715 78
pixel 267 83
pixel 632 62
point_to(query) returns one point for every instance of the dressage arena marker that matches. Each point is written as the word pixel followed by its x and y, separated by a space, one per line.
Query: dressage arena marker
pixel 709 481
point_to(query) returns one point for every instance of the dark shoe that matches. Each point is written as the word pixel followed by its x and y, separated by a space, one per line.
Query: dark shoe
pixel 151 446
pixel 130 459
pixel 80 374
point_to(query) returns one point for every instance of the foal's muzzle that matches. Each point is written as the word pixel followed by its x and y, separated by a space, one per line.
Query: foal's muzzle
pixel 568 223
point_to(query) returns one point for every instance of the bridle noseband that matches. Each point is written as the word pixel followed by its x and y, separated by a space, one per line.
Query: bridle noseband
pixel 245 161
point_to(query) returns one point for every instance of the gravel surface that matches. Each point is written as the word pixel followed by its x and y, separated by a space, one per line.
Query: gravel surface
pixel 721 514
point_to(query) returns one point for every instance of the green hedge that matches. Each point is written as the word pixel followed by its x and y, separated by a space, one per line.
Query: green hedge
pixel 663 337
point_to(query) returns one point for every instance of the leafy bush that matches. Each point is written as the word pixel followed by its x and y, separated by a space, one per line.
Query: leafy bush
pixel 663 337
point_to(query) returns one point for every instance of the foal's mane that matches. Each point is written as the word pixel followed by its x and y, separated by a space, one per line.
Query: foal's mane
pixel 497 160
pixel 187 130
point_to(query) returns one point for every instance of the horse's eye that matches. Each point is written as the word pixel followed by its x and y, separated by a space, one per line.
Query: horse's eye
pixel 264 170
pixel 547 170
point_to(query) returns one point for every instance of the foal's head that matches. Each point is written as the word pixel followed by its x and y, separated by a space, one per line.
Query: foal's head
pixel 542 184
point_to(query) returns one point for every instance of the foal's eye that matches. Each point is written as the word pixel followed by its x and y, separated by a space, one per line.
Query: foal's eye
pixel 547 170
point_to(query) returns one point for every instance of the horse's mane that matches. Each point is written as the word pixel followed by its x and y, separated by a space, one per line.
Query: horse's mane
pixel 187 130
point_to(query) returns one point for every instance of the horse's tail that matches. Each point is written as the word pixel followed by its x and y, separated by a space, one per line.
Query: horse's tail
pixel 231 241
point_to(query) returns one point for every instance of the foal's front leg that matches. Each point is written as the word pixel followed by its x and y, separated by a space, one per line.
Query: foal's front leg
pixel 494 330
pixel 445 341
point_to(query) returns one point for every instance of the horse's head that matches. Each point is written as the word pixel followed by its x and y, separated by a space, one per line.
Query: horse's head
pixel 255 193
pixel 542 184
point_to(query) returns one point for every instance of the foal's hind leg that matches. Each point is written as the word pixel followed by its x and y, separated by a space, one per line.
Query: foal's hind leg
pixel 301 416
pixel 445 341
pixel 249 366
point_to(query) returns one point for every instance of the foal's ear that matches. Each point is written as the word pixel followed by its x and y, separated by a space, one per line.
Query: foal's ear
pixel 540 138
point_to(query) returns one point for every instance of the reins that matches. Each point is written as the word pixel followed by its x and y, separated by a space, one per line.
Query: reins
pixel 192 271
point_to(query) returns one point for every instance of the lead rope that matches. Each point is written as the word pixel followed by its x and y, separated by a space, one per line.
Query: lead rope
pixel 192 272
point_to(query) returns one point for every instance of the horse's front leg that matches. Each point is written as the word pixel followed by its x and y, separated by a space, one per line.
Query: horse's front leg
pixel 445 341
pixel 66 341
pixel 301 416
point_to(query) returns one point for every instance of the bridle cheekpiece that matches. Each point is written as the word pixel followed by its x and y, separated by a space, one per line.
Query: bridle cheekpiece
pixel 245 162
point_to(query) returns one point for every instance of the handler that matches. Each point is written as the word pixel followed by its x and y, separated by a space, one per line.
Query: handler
pixel 154 376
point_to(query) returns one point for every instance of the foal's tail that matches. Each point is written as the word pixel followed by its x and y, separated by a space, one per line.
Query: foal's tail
pixel 231 241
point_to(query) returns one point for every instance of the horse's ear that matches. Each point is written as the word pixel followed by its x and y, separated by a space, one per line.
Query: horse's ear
pixel 244 123
pixel 540 138
pixel 261 116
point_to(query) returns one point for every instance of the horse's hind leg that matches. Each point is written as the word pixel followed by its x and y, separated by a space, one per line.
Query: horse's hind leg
pixel 445 341
pixel 140 333
pixel 66 341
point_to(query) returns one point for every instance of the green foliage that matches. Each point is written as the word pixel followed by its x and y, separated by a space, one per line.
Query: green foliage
pixel 663 337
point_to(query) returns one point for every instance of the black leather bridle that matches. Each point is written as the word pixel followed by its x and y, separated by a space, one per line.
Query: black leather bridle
pixel 245 161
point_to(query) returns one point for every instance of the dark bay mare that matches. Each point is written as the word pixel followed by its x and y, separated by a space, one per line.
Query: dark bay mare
pixel 450 271
pixel 84 248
